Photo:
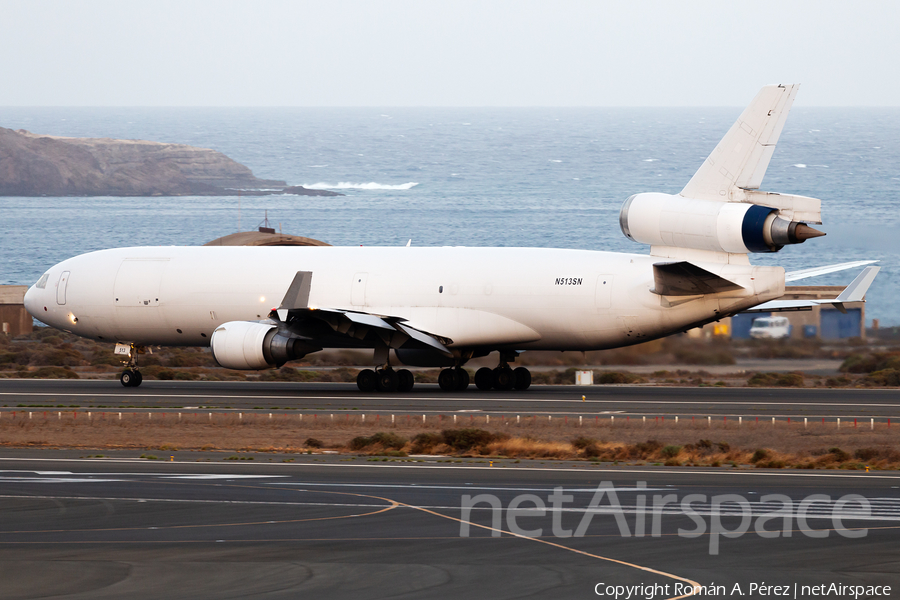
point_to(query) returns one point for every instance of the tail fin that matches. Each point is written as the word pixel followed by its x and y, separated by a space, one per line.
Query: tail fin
pixel 740 160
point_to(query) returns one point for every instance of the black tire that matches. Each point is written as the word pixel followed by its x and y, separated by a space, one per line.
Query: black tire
pixel 386 381
pixel 522 378
pixel 138 378
pixel 127 378
pixel 366 380
pixel 447 380
pixel 504 379
pixel 405 381
pixel 484 379
pixel 462 379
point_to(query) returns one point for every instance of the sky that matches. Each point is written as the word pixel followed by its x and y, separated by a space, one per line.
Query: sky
pixel 445 53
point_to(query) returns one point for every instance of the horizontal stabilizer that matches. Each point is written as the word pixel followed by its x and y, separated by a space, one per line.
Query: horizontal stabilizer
pixel 855 292
pixel 815 271
pixel 687 279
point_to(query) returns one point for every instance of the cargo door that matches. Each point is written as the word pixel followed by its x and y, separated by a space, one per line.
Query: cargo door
pixel 138 281
pixel 61 288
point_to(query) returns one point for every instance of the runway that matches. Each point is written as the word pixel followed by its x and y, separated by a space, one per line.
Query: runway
pixel 117 528
pixel 429 399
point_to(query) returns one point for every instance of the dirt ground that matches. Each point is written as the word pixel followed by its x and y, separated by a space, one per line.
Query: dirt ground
pixel 686 442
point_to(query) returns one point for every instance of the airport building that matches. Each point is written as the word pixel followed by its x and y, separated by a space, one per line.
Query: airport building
pixel 14 319
pixel 822 322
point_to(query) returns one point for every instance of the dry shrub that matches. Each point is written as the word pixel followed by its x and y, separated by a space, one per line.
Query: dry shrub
pixel 886 377
pixel 466 439
pixel 50 373
pixel 57 357
pixel 425 443
pixel 885 453
pixel 528 448
pixel 382 440
pixel 612 377
pixel 870 363
pixel 776 380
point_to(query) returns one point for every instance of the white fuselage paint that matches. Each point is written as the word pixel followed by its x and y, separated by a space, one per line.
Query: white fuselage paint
pixel 518 298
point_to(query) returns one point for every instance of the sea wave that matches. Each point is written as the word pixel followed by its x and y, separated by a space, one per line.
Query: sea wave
pixel 346 185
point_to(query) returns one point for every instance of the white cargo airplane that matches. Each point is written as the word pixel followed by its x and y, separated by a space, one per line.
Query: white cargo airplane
pixel 444 306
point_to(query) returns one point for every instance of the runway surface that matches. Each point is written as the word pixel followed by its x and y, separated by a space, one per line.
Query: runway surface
pixel 429 399
pixel 115 529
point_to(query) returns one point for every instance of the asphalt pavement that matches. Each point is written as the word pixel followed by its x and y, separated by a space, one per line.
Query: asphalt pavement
pixel 336 528
pixel 635 400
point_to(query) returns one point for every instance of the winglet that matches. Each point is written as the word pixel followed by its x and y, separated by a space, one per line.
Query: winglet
pixel 856 291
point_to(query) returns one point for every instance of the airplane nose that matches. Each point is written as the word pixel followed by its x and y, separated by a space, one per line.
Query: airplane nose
pixel 30 302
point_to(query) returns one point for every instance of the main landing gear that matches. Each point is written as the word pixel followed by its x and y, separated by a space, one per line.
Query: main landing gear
pixel 503 377
pixel 385 379
pixel 453 380
pixel 131 376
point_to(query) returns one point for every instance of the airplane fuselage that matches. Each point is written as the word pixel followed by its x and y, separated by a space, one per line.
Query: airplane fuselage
pixel 515 298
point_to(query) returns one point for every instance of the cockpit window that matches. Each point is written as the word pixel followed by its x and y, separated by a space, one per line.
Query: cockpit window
pixel 42 282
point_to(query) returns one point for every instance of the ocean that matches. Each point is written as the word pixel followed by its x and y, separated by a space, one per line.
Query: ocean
pixel 538 177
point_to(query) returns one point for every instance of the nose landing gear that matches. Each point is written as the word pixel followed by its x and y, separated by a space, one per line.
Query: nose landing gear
pixel 131 376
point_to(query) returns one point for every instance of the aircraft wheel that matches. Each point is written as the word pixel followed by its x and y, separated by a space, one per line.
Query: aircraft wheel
pixel 366 380
pixel 386 381
pixel 138 378
pixel 504 379
pixel 484 379
pixel 405 380
pixel 447 380
pixel 462 379
pixel 522 378
pixel 128 378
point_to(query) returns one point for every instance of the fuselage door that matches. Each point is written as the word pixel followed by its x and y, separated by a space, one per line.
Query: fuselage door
pixel 358 289
pixel 603 295
pixel 61 288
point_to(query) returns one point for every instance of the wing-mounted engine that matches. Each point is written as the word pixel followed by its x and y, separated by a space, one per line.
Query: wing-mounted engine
pixel 721 208
pixel 254 345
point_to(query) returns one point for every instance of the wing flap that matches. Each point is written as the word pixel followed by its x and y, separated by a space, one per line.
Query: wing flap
pixel 683 278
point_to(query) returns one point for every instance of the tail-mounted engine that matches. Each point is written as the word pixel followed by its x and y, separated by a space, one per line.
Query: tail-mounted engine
pixel 257 345
pixel 736 227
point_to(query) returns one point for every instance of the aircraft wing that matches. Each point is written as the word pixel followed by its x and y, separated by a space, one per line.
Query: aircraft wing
pixel 813 272
pixel 349 327
pixel 855 292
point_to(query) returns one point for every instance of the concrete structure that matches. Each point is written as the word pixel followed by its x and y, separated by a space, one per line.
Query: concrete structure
pixel 14 319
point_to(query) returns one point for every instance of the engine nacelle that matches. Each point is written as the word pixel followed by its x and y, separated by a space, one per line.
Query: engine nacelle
pixel 254 345
pixel 737 227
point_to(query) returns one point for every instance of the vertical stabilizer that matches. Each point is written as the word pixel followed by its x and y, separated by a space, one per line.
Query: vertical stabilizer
pixel 740 160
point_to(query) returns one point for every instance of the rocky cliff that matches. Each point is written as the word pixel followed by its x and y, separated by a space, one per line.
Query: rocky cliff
pixel 41 165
